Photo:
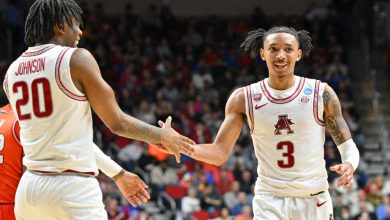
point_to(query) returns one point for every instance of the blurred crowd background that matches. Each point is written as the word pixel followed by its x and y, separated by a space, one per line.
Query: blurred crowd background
pixel 161 64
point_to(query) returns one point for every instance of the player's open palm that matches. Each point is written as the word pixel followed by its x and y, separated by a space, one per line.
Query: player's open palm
pixel 133 188
pixel 173 142
pixel 346 174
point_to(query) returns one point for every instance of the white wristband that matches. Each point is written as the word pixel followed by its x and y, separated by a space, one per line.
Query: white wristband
pixel 105 163
pixel 349 153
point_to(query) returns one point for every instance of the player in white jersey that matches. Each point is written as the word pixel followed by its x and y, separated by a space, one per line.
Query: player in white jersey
pixel 287 116
pixel 51 88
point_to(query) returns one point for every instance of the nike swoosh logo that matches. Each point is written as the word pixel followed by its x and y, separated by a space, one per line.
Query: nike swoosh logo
pixel 314 194
pixel 320 204
pixel 257 106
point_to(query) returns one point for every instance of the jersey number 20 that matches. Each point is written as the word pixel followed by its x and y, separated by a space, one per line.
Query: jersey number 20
pixel 39 87
pixel 288 149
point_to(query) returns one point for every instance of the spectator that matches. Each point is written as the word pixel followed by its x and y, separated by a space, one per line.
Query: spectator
pixel 246 213
pixel 211 200
pixel 383 209
pixel 190 203
pixel 373 190
pixel 230 198
pixel 162 175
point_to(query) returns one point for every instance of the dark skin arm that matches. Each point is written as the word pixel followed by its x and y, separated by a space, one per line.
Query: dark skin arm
pixel 218 152
pixel 335 123
pixel 338 129
pixel 87 78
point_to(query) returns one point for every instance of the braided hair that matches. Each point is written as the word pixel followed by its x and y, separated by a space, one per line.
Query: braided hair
pixel 46 14
pixel 255 39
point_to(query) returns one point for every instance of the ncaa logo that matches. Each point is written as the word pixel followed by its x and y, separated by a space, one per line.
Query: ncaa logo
pixel 308 91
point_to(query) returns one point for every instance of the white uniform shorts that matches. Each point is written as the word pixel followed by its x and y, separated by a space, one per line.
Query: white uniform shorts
pixel 269 207
pixel 60 197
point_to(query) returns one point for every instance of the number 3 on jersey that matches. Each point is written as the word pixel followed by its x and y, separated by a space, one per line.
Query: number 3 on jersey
pixel 1 148
pixel 287 147
pixel 40 91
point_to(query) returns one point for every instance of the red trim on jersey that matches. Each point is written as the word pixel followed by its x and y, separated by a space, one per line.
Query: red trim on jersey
pixel 250 108
pixel 37 52
pixel 252 114
pixel 66 171
pixel 5 85
pixel 14 133
pixel 247 104
pixel 59 82
pixel 283 100
pixel 315 104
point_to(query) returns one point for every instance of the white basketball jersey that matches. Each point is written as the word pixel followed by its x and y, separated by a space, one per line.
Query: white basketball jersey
pixel 55 117
pixel 288 135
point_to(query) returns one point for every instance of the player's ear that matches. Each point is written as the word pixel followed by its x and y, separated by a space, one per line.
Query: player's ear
pixel 299 55
pixel 262 54
pixel 59 29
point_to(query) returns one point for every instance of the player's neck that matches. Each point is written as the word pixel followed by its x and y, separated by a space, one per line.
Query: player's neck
pixel 281 83
pixel 56 41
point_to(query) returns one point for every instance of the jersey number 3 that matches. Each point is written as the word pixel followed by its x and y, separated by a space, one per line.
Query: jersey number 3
pixel 288 158
pixel 42 103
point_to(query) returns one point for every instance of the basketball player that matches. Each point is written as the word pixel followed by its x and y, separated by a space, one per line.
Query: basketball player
pixel 287 116
pixel 11 154
pixel 11 167
pixel 52 87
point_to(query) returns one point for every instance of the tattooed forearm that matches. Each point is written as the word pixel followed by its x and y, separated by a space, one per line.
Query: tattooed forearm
pixel 135 129
pixel 145 132
pixel 334 120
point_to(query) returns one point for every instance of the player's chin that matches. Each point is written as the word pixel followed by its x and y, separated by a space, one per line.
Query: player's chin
pixel 283 71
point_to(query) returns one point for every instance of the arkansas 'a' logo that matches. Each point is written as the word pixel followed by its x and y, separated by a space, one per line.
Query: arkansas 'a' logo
pixel 283 124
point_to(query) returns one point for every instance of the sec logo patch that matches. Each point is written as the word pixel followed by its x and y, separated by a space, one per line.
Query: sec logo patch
pixel 305 99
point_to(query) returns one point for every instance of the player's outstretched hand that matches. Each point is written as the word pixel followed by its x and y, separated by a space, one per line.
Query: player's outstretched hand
pixel 346 171
pixel 132 187
pixel 173 142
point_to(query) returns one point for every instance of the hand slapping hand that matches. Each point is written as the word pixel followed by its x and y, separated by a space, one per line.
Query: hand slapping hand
pixel 173 142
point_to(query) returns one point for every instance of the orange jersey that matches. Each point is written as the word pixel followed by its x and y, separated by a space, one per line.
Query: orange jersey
pixel 11 154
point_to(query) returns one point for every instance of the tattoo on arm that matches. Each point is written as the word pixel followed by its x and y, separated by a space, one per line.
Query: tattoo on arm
pixel 334 120
pixel 139 130
pixel 147 133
